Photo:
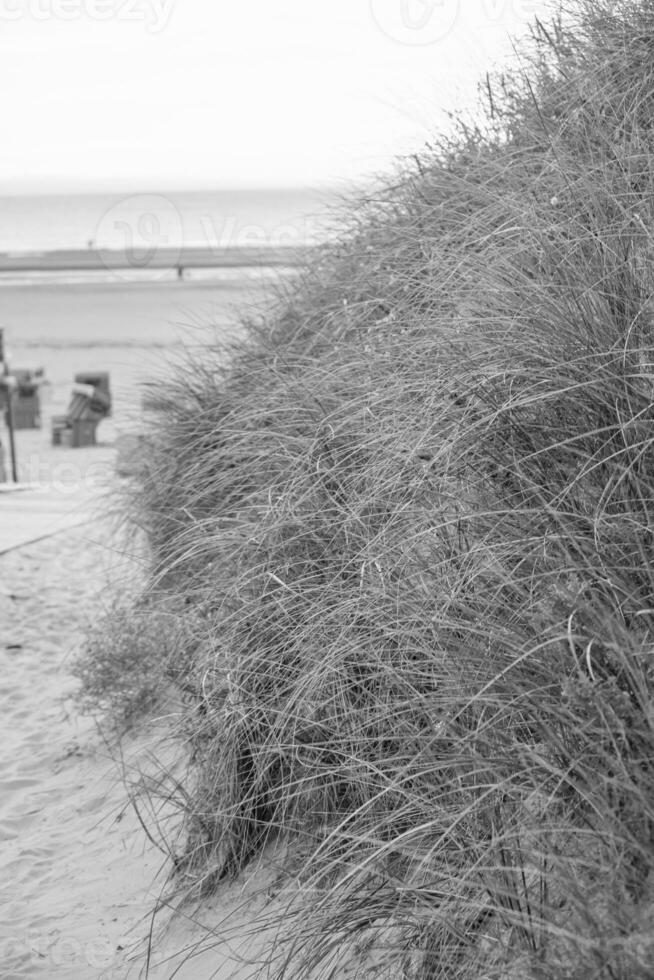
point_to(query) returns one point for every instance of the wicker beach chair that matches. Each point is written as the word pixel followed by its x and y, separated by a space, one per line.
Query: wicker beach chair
pixel 87 407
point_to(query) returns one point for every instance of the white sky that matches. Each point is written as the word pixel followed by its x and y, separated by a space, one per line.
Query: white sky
pixel 224 92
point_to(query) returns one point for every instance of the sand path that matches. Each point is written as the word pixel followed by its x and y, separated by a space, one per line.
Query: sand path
pixel 78 877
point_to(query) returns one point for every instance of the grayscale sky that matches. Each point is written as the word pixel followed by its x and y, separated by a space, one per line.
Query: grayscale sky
pixel 225 92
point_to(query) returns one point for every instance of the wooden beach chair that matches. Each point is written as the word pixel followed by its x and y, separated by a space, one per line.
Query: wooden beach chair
pixel 25 397
pixel 88 406
pixel 99 380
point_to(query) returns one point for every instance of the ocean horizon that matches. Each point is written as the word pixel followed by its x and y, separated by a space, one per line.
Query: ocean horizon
pixel 145 224
pixel 169 219
pixel 128 320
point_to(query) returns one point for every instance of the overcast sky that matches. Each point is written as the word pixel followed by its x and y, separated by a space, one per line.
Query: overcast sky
pixel 224 92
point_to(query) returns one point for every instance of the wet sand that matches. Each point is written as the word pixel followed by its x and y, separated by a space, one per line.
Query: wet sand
pixel 153 258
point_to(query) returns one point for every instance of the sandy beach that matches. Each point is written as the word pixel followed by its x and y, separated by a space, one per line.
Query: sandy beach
pixel 77 872
pixel 80 879
pixel 127 328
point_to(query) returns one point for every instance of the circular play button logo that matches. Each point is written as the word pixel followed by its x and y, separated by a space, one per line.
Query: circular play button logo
pixel 415 22
pixel 143 231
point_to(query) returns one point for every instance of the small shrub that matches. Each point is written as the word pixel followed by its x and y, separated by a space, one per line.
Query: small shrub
pixel 130 659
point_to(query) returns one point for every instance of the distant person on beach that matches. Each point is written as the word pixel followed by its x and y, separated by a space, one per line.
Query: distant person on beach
pixel 90 243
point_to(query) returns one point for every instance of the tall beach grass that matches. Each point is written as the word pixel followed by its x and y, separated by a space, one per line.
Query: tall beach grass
pixel 410 517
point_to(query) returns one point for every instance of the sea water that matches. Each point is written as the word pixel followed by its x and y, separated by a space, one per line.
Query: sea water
pixel 205 219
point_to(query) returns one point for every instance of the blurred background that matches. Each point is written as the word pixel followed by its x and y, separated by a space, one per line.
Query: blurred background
pixel 165 159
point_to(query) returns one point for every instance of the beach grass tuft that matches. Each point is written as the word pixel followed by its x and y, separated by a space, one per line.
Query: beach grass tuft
pixel 412 509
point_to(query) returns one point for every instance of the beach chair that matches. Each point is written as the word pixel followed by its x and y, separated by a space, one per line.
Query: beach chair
pixel 99 380
pixel 88 406
pixel 26 398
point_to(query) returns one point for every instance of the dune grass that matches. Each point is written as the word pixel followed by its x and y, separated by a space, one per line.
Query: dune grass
pixel 415 513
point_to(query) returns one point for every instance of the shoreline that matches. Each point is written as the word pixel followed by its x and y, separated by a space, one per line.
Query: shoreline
pixel 154 258
pixel 227 278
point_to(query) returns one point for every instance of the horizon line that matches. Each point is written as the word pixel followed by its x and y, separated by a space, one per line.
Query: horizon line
pixel 152 185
